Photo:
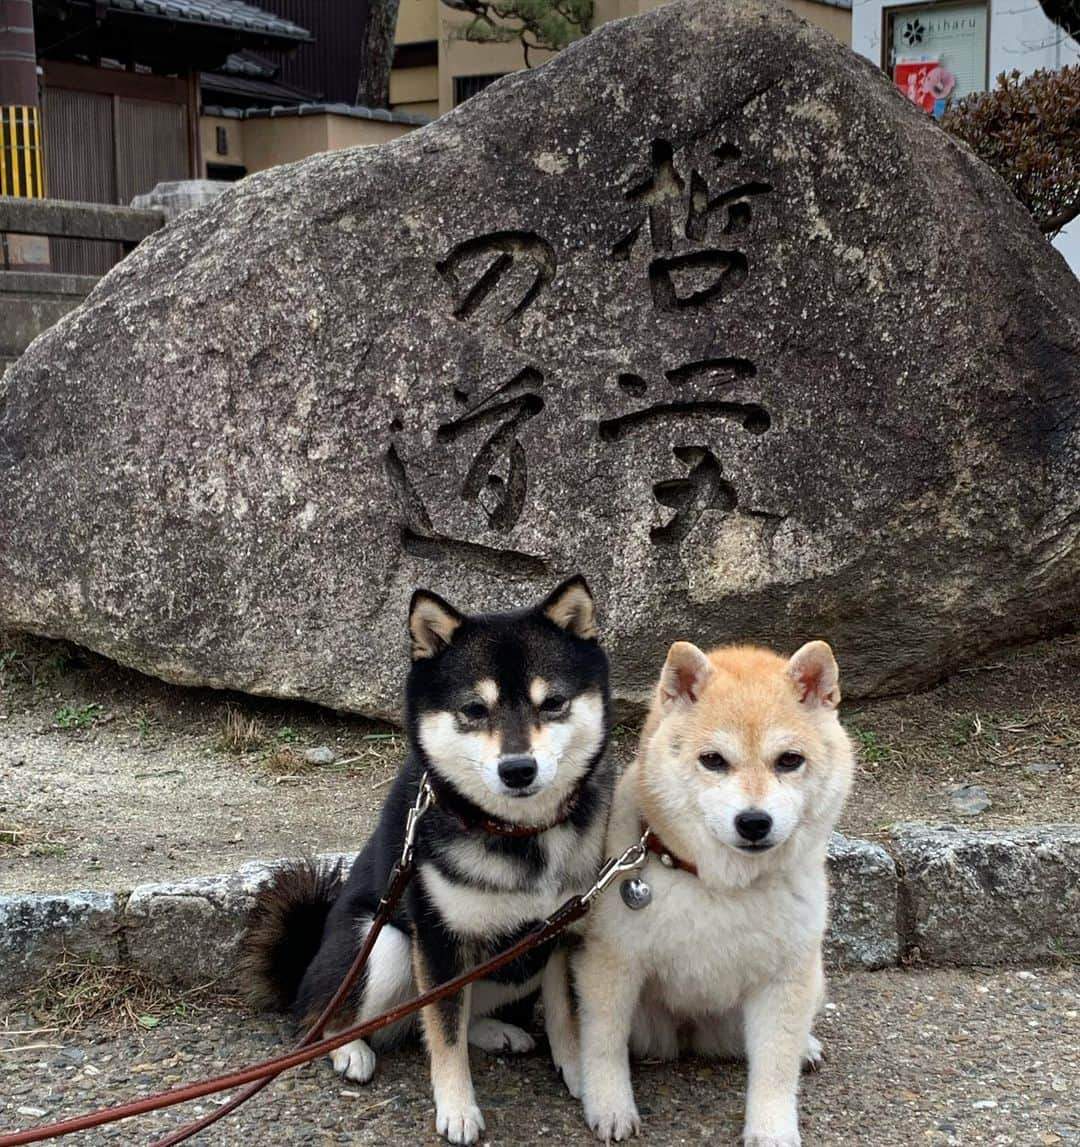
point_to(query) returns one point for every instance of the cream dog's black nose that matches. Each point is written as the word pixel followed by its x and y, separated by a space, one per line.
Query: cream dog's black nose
pixel 753 825
pixel 517 772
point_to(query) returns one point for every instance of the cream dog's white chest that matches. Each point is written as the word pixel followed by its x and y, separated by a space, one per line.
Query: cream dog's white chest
pixel 704 950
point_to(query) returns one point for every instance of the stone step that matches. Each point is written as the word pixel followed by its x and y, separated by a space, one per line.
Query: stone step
pixel 940 896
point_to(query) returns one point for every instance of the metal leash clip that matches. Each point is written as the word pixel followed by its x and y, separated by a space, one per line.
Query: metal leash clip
pixel 629 861
pixel 425 798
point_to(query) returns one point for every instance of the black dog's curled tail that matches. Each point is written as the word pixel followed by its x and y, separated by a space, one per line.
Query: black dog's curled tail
pixel 284 931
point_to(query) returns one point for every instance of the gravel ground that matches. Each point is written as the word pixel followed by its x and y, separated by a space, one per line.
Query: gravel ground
pixel 937 1057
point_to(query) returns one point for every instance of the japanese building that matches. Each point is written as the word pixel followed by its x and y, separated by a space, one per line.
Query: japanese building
pixel 435 68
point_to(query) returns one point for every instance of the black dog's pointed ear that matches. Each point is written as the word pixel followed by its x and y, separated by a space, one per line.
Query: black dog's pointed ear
pixel 432 623
pixel 572 608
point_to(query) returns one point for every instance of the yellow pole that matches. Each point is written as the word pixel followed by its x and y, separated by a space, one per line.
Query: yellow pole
pixel 38 154
pixel 3 152
pixel 13 124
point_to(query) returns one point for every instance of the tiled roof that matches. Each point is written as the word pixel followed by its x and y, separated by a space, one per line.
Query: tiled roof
pixel 220 86
pixel 248 64
pixel 353 111
pixel 218 14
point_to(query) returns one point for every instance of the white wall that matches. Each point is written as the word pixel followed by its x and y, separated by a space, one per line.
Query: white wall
pixel 1021 37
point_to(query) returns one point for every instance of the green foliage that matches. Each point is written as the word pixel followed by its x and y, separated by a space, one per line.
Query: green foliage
pixel 29 662
pixel 77 716
pixel 538 24
pixel 1028 130
pixel 871 750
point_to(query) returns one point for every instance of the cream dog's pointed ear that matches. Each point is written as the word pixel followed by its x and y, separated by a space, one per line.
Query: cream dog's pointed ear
pixel 685 674
pixel 816 675
pixel 432 624
pixel 572 608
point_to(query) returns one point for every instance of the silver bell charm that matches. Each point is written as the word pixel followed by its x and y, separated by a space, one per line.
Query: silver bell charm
pixel 636 893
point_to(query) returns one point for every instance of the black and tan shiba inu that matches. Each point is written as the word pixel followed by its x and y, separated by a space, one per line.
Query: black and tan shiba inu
pixel 508 715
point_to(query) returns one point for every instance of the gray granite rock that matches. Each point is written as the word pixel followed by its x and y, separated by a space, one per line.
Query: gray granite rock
pixel 320 755
pixel 1008 897
pixel 862 905
pixel 187 932
pixel 1040 767
pixel 969 800
pixel 731 327
pixel 37 931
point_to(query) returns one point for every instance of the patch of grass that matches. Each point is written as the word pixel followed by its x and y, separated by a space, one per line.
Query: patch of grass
pixel 240 734
pixel 1062 954
pixel 871 749
pixel 31 662
pixel 286 761
pixel 77 716
pixel 77 991
pixel 22 841
pixel 286 735
pixel 374 754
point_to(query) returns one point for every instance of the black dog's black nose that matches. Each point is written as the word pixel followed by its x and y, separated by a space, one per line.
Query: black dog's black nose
pixel 517 772
pixel 753 825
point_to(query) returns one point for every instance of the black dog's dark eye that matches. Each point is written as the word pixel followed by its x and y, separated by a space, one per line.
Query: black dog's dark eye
pixel 553 704
pixel 474 711
pixel 715 762
pixel 789 762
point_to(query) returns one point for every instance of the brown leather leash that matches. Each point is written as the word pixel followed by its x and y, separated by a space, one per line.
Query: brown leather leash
pixel 261 1074
pixel 402 873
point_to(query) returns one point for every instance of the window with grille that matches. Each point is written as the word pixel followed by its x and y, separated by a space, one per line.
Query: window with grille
pixel 467 86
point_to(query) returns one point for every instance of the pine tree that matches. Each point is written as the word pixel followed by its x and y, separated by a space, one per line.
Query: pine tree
pixel 545 25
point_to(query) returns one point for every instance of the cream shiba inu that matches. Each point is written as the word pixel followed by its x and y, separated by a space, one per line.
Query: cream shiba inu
pixel 741 773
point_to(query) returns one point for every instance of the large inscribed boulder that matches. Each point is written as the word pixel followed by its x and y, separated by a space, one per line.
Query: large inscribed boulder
pixel 703 308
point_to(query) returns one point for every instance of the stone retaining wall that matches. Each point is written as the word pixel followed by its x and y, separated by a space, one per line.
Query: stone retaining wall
pixel 937 895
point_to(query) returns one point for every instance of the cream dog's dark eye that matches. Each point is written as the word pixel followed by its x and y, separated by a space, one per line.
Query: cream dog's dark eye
pixel 714 762
pixel 553 705
pixel 789 762
pixel 474 711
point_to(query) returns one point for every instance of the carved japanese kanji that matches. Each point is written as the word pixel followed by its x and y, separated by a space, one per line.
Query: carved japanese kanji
pixel 421 539
pixel 688 270
pixel 498 276
pixel 498 475
pixel 751 416
pixel 704 488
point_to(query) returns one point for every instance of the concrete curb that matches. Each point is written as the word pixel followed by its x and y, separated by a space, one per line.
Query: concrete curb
pixel 937 895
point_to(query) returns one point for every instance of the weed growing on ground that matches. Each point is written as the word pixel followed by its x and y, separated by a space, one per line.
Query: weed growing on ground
pixel 871 749
pixel 286 761
pixel 240 734
pixel 76 991
pixel 22 841
pixel 1062 954
pixel 77 716
pixel 31 662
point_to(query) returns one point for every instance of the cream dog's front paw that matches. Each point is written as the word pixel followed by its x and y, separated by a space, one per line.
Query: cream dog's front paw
pixel 613 1122
pixel 459 1124
pixel 814 1057
pixel 768 1139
